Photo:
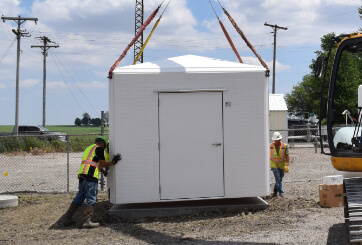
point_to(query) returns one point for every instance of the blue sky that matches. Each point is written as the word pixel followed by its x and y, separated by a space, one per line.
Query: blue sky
pixel 93 34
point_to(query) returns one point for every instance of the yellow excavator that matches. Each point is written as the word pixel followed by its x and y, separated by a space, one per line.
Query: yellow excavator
pixel 345 142
pixel 346 154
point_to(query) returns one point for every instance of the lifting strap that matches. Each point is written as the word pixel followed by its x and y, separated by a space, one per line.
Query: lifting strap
pixel 227 35
pixel 230 41
pixel 148 21
pixel 150 35
pixel 245 39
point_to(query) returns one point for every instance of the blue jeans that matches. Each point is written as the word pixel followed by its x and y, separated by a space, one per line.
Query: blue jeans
pixel 278 174
pixel 87 190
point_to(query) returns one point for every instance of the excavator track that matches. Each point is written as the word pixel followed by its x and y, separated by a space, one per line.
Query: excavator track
pixel 352 188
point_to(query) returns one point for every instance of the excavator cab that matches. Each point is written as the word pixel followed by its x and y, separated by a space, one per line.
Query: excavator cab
pixel 344 141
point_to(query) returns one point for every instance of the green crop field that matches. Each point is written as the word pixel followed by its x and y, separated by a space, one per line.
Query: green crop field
pixel 68 129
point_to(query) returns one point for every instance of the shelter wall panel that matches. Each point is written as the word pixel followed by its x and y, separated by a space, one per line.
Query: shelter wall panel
pixel 245 129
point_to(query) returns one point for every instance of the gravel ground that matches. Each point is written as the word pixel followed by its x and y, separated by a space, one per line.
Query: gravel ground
pixel 296 219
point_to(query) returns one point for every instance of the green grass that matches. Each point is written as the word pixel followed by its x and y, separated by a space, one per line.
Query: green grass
pixel 79 139
pixel 6 129
pixel 68 129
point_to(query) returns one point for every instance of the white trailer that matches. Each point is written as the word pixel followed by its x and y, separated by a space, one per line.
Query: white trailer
pixel 188 128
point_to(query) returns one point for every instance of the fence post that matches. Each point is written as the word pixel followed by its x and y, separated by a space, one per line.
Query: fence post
pixel 102 133
pixel 68 167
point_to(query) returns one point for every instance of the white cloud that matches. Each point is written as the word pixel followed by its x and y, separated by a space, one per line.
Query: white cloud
pixel 56 85
pixel 279 67
pixel 10 8
pixel 93 85
pixel 28 83
pixel 79 85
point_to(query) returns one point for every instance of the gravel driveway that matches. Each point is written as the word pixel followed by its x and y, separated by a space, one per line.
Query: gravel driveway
pixel 296 219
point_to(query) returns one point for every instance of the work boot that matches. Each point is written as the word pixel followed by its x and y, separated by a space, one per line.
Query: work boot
pixel 69 214
pixel 88 212
pixel 275 194
pixel 281 195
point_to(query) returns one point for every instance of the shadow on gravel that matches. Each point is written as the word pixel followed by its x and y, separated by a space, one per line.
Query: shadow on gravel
pixel 338 234
pixel 133 226
pixel 154 237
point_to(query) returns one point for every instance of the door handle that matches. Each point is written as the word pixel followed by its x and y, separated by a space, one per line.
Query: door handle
pixel 216 144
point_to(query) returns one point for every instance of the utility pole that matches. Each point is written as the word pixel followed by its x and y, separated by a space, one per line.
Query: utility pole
pixel 138 24
pixel 19 33
pixel 45 48
pixel 275 27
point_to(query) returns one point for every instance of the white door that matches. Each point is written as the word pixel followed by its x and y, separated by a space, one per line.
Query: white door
pixel 191 145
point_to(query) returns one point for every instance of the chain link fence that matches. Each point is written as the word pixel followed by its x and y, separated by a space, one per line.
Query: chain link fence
pixel 51 166
pixel 42 164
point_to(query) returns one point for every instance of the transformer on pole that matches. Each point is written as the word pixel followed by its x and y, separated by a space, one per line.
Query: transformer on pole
pixel 138 24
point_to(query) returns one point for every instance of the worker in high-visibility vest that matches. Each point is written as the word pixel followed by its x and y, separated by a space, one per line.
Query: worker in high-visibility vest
pixel 279 162
pixel 93 162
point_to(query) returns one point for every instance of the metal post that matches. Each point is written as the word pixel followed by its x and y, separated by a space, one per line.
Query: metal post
pixel 102 123
pixel 102 133
pixel 68 163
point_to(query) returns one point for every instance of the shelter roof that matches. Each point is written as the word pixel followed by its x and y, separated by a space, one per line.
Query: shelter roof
pixel 277 102
pixel 189 64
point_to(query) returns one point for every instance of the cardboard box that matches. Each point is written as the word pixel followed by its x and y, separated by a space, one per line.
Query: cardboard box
pixel 331 195
pixel 333 180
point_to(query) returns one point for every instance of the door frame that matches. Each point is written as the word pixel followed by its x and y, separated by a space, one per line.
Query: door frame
pixel 188 90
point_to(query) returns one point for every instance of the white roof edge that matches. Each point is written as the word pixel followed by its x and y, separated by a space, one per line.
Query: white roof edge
pixel 189 64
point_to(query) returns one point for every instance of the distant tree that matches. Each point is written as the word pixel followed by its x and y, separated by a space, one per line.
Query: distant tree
pixel 86 119
pixel 78 122
pixel 96 122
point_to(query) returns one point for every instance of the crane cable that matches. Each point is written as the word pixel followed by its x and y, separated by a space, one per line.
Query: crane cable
pixel 245 39
pixel 148 21
pixel 227 35
pixel 150 35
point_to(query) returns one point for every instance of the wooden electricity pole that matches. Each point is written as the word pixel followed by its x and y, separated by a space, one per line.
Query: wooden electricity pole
pixel 138 24
pixel 19 33
pixel 275 27
pixel 45 48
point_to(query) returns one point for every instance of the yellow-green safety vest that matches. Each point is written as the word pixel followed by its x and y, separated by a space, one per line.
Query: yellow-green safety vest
pixel 278 159
pixel 88 155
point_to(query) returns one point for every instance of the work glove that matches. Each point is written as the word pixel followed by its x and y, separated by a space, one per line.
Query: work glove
pixel 286 168
pixel 116 158
pixel 106 173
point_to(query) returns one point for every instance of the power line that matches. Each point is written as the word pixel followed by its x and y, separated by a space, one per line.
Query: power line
pixel 7 50
pixel 90 103
pixel 61 74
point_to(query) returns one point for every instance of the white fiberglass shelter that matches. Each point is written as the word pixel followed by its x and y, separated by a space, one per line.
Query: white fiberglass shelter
pixel 278 116
pixel 188 128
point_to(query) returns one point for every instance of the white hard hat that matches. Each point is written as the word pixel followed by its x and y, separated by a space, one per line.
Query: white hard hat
pixel 277 136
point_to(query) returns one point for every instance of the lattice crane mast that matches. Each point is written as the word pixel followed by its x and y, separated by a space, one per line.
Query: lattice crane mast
pixel 138 24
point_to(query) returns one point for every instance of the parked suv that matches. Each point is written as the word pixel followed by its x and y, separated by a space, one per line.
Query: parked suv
pixel 40 131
